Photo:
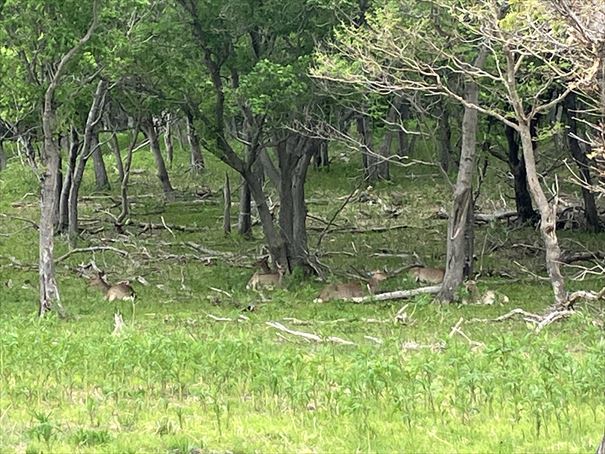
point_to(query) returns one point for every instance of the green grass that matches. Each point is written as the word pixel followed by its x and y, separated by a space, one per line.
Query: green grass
pixel 176 380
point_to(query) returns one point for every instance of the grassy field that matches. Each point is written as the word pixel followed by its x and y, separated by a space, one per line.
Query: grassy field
pixel 194 371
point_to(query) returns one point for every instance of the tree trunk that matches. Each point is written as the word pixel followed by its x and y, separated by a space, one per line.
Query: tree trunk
pixel 151 134
pixel 458 223
pixel 57 196
pixel 227 206
pixel 445 136
pixel 579 156
pixel 523 203
pixel 124 183
pixel 403 143
pixel 101 180
pixel 2 156
pixel 300 249
pixel 197 160
pixel 244 223
pixel 369 161
pixel 168 141
pixel 86 151
pixel 601 448
pixel 548 216
pixel 74 146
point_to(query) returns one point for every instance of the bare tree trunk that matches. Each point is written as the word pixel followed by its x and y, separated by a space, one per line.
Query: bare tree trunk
pixel 197 160
pixel 523 203
pixel 101 179
pixel 94 116
pixel 548 216
pixel 300 249
pixel 590 208
pixel 369 160
pixel 244 223
pixel 74 146
pixel 227 206
pixel 601 448
pixel 404 145
pixel 168 141
pixel 2 156
pixel 57 196
pixel 151 134
pixel 458 224
pixel 115 148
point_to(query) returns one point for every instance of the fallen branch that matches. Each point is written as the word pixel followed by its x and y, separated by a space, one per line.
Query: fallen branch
pixel 571 257
pixel 585 295
pixel 361 230
pixel 398 295
pixel 18 218
pixel 91 249
pixel 309 336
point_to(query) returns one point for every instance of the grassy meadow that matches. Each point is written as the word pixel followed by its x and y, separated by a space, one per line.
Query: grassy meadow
pixel 194 371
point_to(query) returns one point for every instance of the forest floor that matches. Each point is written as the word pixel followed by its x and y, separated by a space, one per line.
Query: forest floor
pixel 195 371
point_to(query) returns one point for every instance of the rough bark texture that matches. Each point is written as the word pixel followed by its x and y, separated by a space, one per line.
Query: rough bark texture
pixel 601 448
pixel 458 225
pixel 374 166
pixel 593 221
pixel 523 203
pixel 197 160
pixel 154 144
pixel 101 179
pixel 124 183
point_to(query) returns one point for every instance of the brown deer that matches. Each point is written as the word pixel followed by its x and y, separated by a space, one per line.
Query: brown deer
pixel 427 275
pixel 350 290
pixel 265 277
pixel 119 291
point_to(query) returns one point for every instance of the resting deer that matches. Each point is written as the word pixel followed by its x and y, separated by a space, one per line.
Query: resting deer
pixel 119 291
pixel 350 290
pixel 265 277
pixel 427 275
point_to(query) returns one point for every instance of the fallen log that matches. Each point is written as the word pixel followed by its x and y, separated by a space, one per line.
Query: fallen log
pixel 398 295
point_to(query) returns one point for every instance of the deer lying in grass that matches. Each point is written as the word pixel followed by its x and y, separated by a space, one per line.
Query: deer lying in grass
pixel 265 277
pixel 427 275
pixel 119 291
pixel 350 290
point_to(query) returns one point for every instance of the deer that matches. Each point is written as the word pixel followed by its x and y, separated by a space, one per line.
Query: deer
pixel 350 290
pixel 265 277
pixel 119 291
pixel 427 275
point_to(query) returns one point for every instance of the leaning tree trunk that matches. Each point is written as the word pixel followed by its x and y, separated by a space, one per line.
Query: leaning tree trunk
pixel 548 216
pixel 101 179
pixel 151 134
pixel 523 203
pixel 579 156
pixel 601 448
pixel 457 234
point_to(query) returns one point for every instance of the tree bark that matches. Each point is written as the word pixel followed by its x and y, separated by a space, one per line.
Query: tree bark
pixel 368 158
pixel 523 203
pixel 548 216
pixel 458 224
pixel 101 179
pixel 74 146
pixel 151 134
pixel 2 156
pixel 168 141
pixel 87 149
pixel 244 223
pixel 227 206
pixel 197 159
pixel 593 221
pixel 124 183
